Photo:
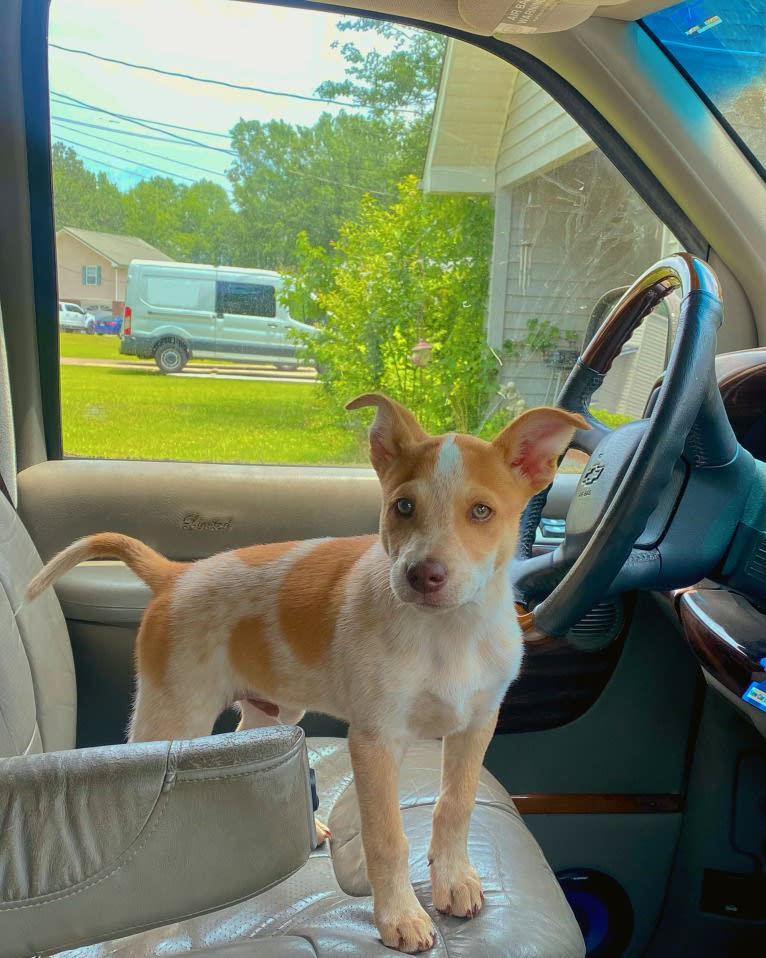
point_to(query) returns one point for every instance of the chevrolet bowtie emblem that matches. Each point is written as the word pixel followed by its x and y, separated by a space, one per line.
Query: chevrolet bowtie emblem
pixel 592 474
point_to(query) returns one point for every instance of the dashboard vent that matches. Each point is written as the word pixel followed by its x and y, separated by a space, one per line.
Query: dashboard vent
pixel 598 627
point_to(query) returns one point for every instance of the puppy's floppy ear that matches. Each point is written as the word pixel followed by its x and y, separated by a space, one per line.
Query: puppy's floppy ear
pixel 393 428
pixel 532 444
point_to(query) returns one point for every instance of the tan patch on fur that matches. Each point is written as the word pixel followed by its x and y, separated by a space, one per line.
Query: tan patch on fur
pixel 415 462
pixel 489 480
pixel 312 593
pixel 263 554
pixel 250 654
pixel 153 642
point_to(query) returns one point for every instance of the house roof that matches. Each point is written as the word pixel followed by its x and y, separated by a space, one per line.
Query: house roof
pixel 119 249
pixel 472 103
pixel 493 126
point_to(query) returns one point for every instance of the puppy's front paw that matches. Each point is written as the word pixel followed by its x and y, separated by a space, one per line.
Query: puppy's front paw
pixel 456 889
pixel 409 930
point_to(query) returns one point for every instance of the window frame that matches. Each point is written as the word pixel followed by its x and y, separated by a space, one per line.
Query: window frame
pixel 35 83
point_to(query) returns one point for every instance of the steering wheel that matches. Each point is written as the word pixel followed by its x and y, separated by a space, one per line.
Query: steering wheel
pixel 659 501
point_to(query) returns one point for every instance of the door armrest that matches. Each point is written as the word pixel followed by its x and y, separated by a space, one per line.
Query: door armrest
pixel 103 842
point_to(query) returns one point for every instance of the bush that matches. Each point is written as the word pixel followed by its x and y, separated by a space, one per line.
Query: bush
pixel 611 419
pixel 415 271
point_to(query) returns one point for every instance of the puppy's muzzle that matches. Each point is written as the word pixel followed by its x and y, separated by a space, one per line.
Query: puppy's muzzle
pixel 427 576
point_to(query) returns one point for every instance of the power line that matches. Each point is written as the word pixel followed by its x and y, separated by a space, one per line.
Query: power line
pixel 85 127
pixel 223 83
pixel 292 172
pixel 144 166
pixel 58 118
pixel 157 156
pixel 174 126
pixel 82 105
pixel 117 169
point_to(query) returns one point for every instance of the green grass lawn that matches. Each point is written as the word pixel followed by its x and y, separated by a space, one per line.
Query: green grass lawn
pixel 80 346
pixel 134 413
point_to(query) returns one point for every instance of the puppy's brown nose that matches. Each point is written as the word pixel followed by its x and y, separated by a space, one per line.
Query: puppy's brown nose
pixel 426 576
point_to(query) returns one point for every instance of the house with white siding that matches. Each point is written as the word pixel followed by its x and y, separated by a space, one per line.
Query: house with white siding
pixel 567 229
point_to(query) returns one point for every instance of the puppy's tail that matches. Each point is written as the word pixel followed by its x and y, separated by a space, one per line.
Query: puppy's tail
pixel 148 565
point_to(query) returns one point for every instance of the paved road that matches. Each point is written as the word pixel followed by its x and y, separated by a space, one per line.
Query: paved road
pixel 198 371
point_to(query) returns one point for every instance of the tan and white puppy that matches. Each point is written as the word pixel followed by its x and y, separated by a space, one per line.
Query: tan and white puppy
pixel 408 634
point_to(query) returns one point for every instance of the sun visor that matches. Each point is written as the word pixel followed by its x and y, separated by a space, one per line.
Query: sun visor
pixel 528 16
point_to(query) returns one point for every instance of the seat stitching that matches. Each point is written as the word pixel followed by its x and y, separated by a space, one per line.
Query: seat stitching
pixel 35 729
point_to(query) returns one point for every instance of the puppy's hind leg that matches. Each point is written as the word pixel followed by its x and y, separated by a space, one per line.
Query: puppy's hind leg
pixel 260 714
pixel 160 714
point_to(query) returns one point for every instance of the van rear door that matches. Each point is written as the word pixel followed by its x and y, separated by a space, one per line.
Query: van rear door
pixel 169 301
pixel 246 319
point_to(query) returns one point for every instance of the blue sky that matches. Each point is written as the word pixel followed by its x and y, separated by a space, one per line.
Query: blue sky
pixel 283 50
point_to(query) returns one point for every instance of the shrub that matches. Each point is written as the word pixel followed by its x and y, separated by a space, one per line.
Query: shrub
pixel 415 271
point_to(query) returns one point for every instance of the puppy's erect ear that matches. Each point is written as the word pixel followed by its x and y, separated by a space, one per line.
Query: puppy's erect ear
pixel 393 428
pixel 532 444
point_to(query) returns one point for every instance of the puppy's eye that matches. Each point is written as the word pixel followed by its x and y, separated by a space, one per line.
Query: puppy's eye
pixel 405 507
pixel 481 512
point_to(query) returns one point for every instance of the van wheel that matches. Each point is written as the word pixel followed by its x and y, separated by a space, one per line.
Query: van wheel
pixel 171 356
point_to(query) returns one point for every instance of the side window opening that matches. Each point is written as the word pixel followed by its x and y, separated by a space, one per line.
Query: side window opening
pixel 445 233
pixel 246 299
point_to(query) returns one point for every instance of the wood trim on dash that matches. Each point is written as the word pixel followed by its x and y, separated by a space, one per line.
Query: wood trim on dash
pixel 599 804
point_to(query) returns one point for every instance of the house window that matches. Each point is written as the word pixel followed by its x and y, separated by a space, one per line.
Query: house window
pixel 91 276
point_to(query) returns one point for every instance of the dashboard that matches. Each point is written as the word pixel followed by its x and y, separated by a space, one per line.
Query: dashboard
pixel 725 625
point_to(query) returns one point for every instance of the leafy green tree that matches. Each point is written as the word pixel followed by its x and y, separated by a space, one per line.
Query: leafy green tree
pixel 397 85
pixel 84 200
pixel 153 212
pixel 291 179
pixel 404 77
pixel 417 270
pixel 193 223
pixel 299 179
pixel 208 227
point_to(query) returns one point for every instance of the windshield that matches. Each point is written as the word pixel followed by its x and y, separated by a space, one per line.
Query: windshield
pixel 722 46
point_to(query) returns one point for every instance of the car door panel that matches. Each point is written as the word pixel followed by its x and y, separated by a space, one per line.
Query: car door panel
pixel 191 510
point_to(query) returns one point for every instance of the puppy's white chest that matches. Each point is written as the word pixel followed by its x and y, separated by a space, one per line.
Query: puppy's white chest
pixel 461 691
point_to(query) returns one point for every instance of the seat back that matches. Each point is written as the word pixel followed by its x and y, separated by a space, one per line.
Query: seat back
pixel 38 698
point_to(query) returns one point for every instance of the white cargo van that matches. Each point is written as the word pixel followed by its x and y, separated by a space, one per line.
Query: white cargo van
pixel 174 311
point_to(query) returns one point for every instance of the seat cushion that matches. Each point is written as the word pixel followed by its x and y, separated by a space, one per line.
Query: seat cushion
pixel 325 909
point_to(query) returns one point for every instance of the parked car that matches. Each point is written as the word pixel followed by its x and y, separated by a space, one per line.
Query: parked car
pixel 105 322
pixel 74 319
pixel 176 310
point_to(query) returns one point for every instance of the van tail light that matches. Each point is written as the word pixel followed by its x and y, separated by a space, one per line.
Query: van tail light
pixel 127 317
